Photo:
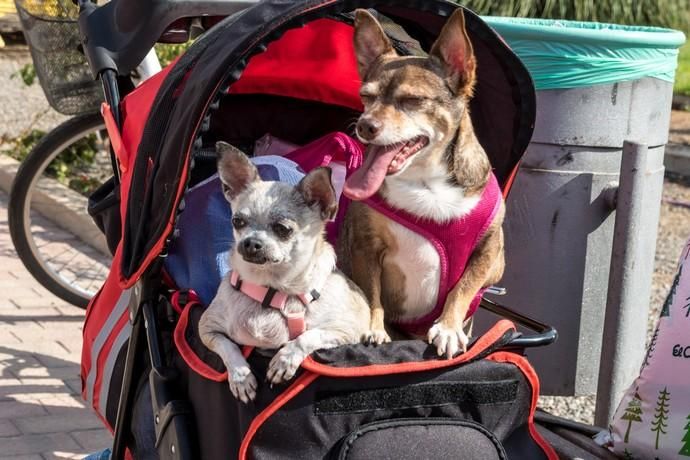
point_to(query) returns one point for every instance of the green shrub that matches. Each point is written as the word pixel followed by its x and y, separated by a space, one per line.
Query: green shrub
pixel 682 85
pixel 27 74
pixel 167 53
pixel 664 13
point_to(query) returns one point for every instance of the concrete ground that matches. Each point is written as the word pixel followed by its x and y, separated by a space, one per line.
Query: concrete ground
pixel 42 415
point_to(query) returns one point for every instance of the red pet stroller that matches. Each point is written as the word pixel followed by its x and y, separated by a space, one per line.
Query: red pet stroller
pixel 286 68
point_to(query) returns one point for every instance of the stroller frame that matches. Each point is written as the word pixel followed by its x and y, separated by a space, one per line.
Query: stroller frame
pixel 109 36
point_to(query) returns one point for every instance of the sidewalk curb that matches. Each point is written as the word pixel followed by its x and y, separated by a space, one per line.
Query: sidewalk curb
pixel 60 204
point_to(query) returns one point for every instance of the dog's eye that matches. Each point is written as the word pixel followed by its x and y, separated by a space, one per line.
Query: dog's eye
pixel 410 102
pixel 238 223
pixel 283 231
pixel 367 98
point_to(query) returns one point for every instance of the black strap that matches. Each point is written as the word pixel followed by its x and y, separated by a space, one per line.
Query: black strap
pixel 314 295
pixel 237 286
pixel 269 298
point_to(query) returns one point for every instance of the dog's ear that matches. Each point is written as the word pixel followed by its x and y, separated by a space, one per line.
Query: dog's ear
pixel 235 170
pixel 370 41
pixel 317 190
pixel 453 50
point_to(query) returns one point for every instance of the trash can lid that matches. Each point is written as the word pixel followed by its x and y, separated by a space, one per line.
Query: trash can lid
pixel 564 54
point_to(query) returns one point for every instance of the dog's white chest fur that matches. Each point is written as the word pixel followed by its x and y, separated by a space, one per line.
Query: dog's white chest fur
pixel 426 192
pixel 417 258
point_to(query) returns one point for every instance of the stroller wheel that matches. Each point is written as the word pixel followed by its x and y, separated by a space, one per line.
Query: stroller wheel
pixel 54 236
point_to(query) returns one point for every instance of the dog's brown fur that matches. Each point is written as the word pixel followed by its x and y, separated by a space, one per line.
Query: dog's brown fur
pixel 435 91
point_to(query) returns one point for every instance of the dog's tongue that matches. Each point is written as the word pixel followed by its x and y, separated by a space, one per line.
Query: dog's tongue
pixel 367 180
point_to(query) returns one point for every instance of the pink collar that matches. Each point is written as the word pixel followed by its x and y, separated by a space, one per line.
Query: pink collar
pixel 269 297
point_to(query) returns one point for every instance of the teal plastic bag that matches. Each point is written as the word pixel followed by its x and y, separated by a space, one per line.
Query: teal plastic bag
pixel 571 54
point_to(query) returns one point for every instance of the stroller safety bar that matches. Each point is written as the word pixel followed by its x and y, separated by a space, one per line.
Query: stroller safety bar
pixel 545 334
pixel 496 290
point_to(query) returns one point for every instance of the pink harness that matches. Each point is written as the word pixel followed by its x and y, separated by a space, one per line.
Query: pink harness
pixel 454 241
pixel 271 298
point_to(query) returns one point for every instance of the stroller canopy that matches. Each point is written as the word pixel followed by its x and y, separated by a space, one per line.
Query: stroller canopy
pixel 287 67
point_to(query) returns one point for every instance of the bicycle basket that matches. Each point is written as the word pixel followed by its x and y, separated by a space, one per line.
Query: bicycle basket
pixel 51 31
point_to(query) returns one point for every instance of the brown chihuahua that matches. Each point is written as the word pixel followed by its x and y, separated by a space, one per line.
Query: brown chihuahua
pixel 423 236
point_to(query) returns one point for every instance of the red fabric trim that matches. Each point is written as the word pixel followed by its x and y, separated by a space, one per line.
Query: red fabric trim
pixel 302 382
pixel 175 300
pixel 193 361
pixel 486 340
pixel 531 375
pixel 103 356
pixel 509 182
pixel 246 351
pixel 87 341
pixel 135 108
pixel 97 313
pixel 114 136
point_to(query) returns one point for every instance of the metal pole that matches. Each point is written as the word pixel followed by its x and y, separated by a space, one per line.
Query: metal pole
pixel 627 302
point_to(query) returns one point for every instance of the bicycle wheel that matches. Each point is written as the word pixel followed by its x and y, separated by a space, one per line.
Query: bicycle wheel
pixel 54 236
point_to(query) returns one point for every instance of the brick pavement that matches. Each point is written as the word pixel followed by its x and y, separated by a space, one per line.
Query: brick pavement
pixel 42 415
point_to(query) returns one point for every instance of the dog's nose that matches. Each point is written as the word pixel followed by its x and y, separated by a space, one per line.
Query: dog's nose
pixel 252 246
pixel 368 128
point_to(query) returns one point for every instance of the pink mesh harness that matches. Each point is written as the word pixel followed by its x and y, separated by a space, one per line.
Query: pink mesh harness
pixel 454 241
pixel 334 147
pixel 271 298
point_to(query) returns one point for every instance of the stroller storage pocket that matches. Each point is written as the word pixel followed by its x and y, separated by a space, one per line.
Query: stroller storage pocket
pixel 353 402
pixel 404 439
pixel 104 209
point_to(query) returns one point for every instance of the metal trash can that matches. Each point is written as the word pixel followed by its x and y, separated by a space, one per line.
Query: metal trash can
pixel 598 85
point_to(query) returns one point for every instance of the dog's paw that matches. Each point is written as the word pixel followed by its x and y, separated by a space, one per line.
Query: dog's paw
pixel 447 340
pixel 242 383
pixel 284 365
pixel 376 337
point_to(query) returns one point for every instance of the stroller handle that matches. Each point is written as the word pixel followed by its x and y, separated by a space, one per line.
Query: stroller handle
pixel 118 35
pixel 545 334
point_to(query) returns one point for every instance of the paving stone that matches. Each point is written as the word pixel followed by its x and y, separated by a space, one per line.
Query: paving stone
pixel 21 457
pixel 9 387
pixel 72 419
pixel 48 353
pixel 58 404
pixel 33 390
pixel 74 385
pixel 62 456
pixel 64 358
pixel 7 306
pixel 7 428
pixel 93 440
pixel 17 409
pixel 24 292
pixel 67 372
pixel 38 444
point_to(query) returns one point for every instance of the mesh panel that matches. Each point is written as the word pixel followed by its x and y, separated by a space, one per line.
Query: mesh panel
pixel 51 31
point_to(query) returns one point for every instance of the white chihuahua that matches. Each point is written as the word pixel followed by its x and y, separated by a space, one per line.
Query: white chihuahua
pixel 284 291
